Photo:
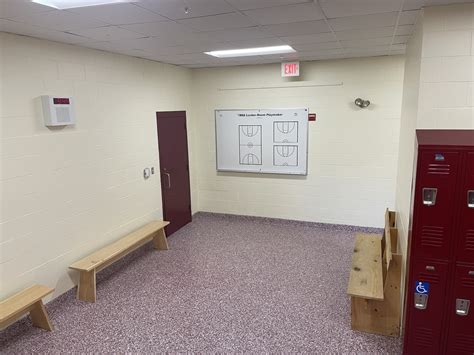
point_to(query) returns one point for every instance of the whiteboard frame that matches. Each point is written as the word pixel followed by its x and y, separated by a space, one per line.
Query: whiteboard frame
pixel 305 173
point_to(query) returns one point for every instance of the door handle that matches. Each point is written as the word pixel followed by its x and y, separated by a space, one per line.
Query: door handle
pixel 169 180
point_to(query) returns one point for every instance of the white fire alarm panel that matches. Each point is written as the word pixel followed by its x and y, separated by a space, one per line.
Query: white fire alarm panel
pixel 58 111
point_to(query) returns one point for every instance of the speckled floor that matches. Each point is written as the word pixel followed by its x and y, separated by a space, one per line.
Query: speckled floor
pixel 228 284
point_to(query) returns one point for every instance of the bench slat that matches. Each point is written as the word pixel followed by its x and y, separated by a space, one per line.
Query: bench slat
pixel 20 302
pixel 366 277
pixel 113 250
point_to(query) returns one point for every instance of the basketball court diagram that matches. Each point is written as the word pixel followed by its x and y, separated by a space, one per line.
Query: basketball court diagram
pixel 250 141
pixel 285 132
pixel 285 155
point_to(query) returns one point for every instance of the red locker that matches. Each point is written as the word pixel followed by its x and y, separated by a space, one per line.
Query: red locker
pixel 439 292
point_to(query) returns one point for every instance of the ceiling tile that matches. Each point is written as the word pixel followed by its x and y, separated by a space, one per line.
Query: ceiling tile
pixel 210 23
pixel 191 58
pixel 365 21
pixel 154 43
pixel 320 52
pixel 364 33
pixel 316 46
pixel 168 28
pixel 297 28
pixel 119 14
pixel 286 14
pixel 367 50
pixel 417 4
pixel 408 17
pixel 15 8
pixel 176 10
pixel 396 47
pixel 258 42
pixel 313 38
pixel 365 43
pixel 260 4
pixel 107 33
pixel 400 39
pixel 60 20
pixel 343 8
pixel 235 34
pixel 398 52
pixel 404 30
pixel 39 32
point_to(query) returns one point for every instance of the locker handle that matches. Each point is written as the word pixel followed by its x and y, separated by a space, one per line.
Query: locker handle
pixel 429 196
pixel 430 268
pixel 471 273
pixel 470 199
pixel 462 307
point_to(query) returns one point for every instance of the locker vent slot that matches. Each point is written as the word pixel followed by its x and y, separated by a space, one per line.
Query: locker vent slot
pixel 432 236
pixel 433 278
pixel 424 337
pixel 439 169
pixel 470 240
pixel 467 281
pixel 464 343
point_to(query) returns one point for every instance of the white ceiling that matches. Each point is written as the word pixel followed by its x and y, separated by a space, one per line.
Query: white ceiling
pixel 162 30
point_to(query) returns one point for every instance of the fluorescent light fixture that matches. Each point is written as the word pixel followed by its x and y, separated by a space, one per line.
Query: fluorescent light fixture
pixel 70 4
pixel 244 52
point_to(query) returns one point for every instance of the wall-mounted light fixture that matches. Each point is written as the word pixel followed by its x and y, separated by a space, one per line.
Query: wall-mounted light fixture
pixel 362 103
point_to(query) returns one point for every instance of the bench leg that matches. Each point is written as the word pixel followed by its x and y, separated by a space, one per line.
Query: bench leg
pixel 86 288
pixel 39 317
pixel 159 240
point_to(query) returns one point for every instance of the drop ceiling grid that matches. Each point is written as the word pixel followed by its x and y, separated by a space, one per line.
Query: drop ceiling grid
pixel 162 30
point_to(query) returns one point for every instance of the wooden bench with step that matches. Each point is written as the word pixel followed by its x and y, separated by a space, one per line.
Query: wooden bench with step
pixel 30 301
pixel 374 281
pixel 99 260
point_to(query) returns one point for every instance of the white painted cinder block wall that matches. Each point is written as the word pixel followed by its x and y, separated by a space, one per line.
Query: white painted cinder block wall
pixel 66 192
pixel 353 153
pixel 438 89
pixel 437 93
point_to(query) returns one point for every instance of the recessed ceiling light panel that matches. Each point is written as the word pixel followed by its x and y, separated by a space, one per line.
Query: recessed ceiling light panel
pixel 70 4
pixel 245 52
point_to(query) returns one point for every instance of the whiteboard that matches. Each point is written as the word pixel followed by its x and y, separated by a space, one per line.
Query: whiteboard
pixel 271 141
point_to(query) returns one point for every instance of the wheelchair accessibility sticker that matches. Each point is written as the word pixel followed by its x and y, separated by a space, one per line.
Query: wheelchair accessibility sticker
pixel 422 287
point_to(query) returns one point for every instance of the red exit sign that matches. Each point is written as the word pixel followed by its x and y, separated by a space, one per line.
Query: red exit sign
pixel 290 69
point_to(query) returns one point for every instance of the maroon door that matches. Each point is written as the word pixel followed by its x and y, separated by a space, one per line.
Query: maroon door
pixel 174 169
pixel 465 247
pixel 461 324
pixel 423 330
pixel 435 196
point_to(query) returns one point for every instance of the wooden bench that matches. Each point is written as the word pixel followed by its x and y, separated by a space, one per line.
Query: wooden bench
pixel 27 301
pixel 90 265
pixel 374 281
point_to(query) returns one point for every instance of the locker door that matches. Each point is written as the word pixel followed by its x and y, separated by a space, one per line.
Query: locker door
pixel 434 204
pixel 465 247
pixel 424 326
pixel 461 329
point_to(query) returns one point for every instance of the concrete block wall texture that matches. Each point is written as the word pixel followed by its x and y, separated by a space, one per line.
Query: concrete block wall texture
pixel 68 191
pixel 353 152
pixel 438 88
pixel 437 92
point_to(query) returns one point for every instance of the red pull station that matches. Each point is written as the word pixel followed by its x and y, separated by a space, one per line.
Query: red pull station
pixel 311 117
